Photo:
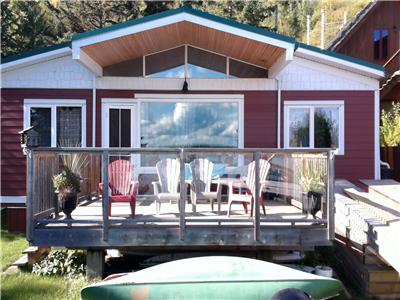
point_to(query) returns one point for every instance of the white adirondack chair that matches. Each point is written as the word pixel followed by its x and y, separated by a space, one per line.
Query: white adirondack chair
pixel 200 188
pixel 248 186
pixel 166 189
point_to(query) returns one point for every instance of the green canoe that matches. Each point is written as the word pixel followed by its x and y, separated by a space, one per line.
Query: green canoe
pixel 211 277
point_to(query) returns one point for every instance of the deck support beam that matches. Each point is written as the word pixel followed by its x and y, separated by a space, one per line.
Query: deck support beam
pixel 105 196
pixel 95 260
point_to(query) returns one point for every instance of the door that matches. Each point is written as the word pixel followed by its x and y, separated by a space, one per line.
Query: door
pixel 119 128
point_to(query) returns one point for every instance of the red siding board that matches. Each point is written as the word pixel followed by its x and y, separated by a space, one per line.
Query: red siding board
pixel 12 160
pixel 358 159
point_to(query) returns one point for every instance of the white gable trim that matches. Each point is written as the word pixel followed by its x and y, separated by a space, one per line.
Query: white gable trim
pixel 42 57
pixel 339 63
pixel 180 18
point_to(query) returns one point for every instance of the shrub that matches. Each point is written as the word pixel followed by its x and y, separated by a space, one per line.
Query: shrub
pixel 71 263
pixel 390 129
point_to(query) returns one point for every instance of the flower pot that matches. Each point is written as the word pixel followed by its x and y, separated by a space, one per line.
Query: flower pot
pixel 311 202
pixel 67 201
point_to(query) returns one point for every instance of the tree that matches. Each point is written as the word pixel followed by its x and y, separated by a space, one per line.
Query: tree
pixel 390 129
pixel 27 25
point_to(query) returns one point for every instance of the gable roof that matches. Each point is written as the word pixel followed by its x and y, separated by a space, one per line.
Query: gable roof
pixel 348 28
pixel 97 35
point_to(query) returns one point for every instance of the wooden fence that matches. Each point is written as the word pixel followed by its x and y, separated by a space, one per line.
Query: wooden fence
pixel 391 155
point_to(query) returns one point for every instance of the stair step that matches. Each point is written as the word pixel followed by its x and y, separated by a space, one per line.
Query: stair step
pixel 21 262
pixel 30 249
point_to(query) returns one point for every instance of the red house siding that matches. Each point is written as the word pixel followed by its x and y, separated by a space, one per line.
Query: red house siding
pixel 358 159
pixel 260 117
pixel 13 162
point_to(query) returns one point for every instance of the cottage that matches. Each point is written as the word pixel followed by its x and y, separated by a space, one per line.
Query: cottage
pixel 188 84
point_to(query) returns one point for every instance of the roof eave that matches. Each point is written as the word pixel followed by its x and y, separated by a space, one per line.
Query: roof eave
pixel 341 61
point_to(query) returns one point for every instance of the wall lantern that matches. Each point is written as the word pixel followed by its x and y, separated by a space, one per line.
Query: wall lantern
pixel 30 138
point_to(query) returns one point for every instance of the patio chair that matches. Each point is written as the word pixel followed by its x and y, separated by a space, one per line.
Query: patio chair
pixel 121 186
pixel 166 189
pixel 200 188
pixel 243 190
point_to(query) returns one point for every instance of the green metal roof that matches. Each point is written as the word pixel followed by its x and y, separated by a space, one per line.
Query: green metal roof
pixel 198 13
pixel 191 11
pixel 342 56
pixel 34 52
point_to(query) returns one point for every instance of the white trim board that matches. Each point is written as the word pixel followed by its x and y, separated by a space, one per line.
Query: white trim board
pixel 377 149
pixel 12 199
pixel 53 104
pixel 339 63
pixel 195 84
pixel 34 59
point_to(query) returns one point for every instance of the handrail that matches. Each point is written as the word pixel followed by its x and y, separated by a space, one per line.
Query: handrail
pixel 390 59
pixel 181 155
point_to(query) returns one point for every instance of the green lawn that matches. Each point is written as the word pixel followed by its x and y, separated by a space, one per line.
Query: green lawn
pixel 27 286
pixel 12 246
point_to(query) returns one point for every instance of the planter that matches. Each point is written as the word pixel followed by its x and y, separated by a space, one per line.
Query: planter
pixel 391 155
pixel 311 202
pixel 67 201
pixel 324 271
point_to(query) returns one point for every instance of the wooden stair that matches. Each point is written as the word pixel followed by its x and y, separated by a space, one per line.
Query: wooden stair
pixel 30 256
pixel 367 247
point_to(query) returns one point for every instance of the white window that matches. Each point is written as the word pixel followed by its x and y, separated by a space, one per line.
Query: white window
pixel 59 123
pixel 314 124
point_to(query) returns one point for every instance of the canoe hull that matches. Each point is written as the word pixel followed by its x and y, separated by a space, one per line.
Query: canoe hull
pixel 317 289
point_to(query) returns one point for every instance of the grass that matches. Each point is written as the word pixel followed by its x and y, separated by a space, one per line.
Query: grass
pixel 12 246
pixel 27 286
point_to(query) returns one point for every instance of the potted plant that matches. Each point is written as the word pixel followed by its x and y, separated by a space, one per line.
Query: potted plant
pixel 312 185
pixel 67 183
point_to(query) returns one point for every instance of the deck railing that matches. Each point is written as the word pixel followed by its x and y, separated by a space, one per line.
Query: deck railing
pixel 291 169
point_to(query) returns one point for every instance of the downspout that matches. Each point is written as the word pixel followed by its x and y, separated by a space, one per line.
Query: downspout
pixel 278 125
pixel 94 111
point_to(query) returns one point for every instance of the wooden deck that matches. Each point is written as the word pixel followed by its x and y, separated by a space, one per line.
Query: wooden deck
pixel 285 226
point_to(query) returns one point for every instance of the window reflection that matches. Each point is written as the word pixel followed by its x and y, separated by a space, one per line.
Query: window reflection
pixel 184 124
pixel 326 127
pixel 299 127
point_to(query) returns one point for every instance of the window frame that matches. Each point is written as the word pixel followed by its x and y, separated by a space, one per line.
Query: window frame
pixel 53 104
pixel 186 63
pixel 380 48
pixel 163 98
pixel 312 105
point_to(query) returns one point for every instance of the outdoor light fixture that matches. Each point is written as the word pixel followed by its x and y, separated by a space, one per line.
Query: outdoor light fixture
pixel 185 86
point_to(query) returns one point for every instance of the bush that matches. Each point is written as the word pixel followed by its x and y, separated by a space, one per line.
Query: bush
pixel 71 263
pixel 390 129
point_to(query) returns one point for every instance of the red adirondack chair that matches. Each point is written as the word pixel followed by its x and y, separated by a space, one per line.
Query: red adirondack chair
pixel 121 186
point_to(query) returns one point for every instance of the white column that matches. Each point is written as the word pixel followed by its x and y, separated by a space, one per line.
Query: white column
pixel 376 135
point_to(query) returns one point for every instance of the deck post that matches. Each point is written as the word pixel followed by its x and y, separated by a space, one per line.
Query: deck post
pixel 183 192
pixel 55 198
pixel 94 264
pixel 105 198
pixel 256 199
pixel 331 195
pixel 29 196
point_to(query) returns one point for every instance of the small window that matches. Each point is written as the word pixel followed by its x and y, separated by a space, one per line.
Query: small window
pixel 377 39
pixel 204 64
pixel 40 118
pixel 381 37
pixel 385 35
pixel 242 70
pixel 167 64
pixel 59 125
pixel 133 68
pixel 314 125
pixel 69 126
